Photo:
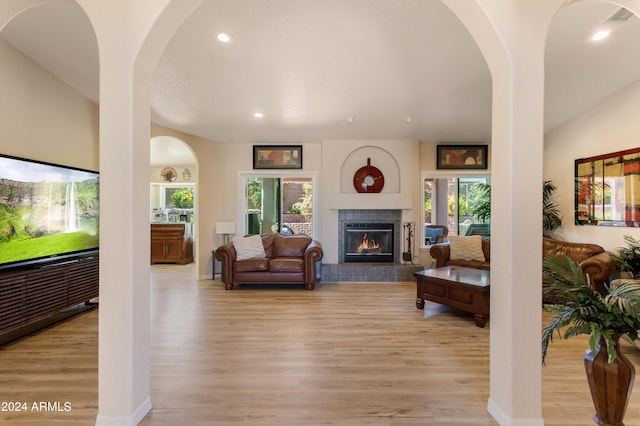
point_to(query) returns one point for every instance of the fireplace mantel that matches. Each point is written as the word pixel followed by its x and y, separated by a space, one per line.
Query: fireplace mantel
pixel 380 201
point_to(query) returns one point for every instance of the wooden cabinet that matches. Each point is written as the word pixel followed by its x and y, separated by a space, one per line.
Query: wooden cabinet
pixel 169 244
pixel 33 298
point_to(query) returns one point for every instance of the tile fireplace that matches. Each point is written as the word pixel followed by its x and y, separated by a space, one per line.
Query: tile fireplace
pixel 350 221
pixel 378 270
pixel 368 242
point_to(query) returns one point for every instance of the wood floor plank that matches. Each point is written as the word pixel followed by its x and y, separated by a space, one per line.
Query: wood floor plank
pixel 343 354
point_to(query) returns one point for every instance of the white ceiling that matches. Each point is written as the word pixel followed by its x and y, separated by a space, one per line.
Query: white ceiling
pixel 337 69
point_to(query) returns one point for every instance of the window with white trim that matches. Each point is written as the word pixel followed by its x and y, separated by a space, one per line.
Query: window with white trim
pixel 448 200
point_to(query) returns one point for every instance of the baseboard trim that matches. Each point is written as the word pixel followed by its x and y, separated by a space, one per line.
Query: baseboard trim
pixel 132 420
pixel 504 420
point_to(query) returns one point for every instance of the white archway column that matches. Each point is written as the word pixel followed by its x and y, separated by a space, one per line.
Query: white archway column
pixel 124 323
pixel 127 59
pixel 511 35
pixel 516 264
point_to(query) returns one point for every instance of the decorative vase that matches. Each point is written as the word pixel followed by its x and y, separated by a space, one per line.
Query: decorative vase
pixel 610 384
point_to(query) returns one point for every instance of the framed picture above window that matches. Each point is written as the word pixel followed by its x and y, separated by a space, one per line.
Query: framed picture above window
pixel 462 156
pixel 277 156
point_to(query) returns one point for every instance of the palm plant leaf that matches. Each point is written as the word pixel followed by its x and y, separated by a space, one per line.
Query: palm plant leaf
pixel 550 212
pixel 564 279
pixel 578 309
pixel 628 258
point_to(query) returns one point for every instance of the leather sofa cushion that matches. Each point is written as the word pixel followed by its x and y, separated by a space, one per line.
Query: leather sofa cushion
pixel 290 245
pixel 267 243
pixel 286 264
pixel 575 251
pixel 251 265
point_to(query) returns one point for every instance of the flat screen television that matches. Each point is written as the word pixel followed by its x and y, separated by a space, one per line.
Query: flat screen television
pixel 48 212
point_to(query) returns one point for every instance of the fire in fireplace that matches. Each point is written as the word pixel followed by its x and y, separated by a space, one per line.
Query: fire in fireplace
pixel 368 242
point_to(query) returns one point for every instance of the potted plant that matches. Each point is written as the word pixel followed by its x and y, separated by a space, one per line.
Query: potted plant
pixel 551 219
pixel 628 258
pixel 577 309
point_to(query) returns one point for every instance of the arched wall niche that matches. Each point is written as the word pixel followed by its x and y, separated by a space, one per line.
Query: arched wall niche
pixel 170 151
pixel 380 158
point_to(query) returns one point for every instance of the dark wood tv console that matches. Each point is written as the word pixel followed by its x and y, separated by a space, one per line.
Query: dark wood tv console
pixel 35 297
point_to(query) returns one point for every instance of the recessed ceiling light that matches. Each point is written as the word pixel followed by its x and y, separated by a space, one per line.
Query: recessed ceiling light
pixel 223 37
pixel 258 115
pixel 600 35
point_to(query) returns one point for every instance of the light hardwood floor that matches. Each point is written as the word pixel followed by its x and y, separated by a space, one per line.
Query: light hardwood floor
pixel 343 354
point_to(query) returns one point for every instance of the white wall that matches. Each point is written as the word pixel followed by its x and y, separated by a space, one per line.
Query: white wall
pixel 42 118
pixel 610 126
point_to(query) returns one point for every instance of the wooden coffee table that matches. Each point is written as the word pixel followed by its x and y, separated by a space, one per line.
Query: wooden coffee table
pixel 466 289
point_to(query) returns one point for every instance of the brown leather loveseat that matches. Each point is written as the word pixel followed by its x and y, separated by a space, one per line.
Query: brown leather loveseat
pixel 288 259
pixel 592 258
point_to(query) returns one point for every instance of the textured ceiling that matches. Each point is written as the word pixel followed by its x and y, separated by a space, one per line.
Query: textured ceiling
pixel 337 69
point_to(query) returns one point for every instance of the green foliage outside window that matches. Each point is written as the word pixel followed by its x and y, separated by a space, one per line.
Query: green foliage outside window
pixel 463 205
pixel 304 206
pixel 183 199
pixel 480 202
pixel 254 193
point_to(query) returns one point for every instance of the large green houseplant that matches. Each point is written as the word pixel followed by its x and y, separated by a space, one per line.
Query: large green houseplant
pixel 628 258
pixel 577 309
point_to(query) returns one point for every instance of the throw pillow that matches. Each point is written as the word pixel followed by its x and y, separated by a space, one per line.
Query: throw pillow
pixel 249 247
pixel 466 248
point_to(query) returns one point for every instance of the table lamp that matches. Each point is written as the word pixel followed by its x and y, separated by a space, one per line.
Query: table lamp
pixel 225 229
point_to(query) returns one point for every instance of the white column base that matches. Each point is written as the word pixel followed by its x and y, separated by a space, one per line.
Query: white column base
pixel 504 420
pixel 132 420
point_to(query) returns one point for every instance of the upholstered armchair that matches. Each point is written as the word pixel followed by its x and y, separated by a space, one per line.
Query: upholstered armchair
pixel 434 234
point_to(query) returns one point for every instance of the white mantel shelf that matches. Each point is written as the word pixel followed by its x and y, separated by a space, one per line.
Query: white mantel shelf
pixel 381 201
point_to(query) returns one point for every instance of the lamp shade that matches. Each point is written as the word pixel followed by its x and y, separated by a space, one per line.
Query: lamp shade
pixel 225 228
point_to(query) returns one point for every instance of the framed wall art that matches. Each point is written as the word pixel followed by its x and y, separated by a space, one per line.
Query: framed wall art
pixel 461 156
pixel 277 156
pixel 607 189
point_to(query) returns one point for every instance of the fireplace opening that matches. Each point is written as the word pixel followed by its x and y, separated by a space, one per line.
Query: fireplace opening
pixel 368 242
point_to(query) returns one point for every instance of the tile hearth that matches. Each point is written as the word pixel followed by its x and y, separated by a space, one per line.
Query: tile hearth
pixel 369 272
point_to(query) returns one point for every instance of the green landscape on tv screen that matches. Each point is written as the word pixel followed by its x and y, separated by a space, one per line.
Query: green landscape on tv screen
pixel 46 210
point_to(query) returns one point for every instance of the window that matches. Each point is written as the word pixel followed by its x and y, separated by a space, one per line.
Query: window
pixel 450 200
pixel 172 202
pixel 277 204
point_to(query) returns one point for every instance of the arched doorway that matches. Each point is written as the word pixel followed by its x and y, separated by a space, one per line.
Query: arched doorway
pixel 173 192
